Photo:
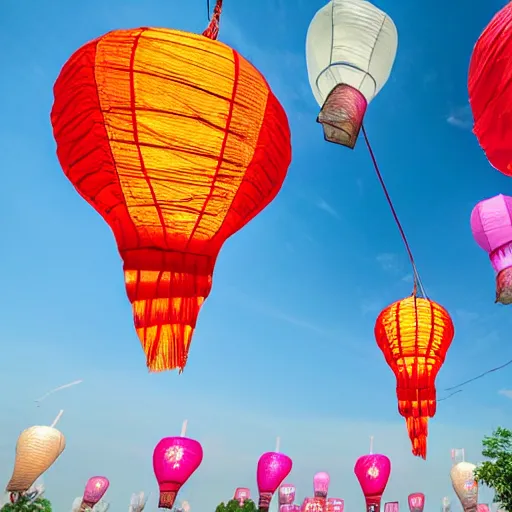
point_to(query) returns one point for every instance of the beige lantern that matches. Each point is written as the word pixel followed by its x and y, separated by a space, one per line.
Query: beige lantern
pixel 465 485
pixel 37 449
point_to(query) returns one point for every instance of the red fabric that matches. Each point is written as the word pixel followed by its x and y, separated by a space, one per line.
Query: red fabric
pixel 490 90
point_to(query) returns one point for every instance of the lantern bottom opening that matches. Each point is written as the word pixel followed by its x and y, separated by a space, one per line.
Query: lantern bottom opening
pixel 504 287
pixel 167 499
pixel 342 115
pixel 264 501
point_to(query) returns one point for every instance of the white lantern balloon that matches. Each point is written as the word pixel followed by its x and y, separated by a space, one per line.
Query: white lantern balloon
pixel 465 485
pixel 350 50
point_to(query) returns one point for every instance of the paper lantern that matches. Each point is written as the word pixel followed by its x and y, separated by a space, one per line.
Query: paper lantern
pixel 286 494
pixel 491 224
pixel 321 484
pixel 490 90
pixel 313 505
pixel 350 50
pixel 289 508
pixel 416 501
pixel 414 335
pixel 483 507
pixel 391 506
pixel 178 142
pixel 37 449
pixel 175 459
pixel 335 505
pixel 372 472
pixel 445 504
pixel 465 485
pixel 95 489
pixel 242 494
pixel 138 502
pixel 273 468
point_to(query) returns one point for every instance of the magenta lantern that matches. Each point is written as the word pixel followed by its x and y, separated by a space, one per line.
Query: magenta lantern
pixel 335 505
pixel 174 461
pixel 242 494
pixel 491 224
pixel 286 494
pixel 95 488
pixel 391 506
pixel 373 471
pixel 321 484
pixel 313 505
pixel 273 468
pixel 416 501
pixel 483 507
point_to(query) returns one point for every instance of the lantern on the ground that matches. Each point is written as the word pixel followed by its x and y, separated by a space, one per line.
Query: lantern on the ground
pixel 273 468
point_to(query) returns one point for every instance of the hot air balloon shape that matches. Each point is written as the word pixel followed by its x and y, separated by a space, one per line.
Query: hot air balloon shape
pixel 445 504
pixel 491 224
pixel 178 142
pixel 414 335
pixel 483 507
pixel 489 90
pixel 416 502
pixel 465 485
pixel 175 459
pixel 242 494
pixel 37 449
pixel 391 506
pixel 313 505
pixel 335 505
pixel 286 494
pixel 350 50
pixel 372 472
pixel 321 484
pixel 273 468
pixel 138 502
pixel 95 489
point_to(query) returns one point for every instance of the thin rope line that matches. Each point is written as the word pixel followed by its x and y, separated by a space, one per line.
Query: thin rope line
pixel 416 276
pixel 492 370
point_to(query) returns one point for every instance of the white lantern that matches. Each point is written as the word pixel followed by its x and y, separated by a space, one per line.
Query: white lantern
pixel 465 485
pixel 350 50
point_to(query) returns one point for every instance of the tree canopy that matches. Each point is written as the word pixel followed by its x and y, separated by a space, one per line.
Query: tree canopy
pixel 234 506
pixel 496 473
pixel 24 505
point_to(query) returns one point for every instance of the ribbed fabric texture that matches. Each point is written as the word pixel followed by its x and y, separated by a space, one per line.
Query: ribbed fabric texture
pixel 178 142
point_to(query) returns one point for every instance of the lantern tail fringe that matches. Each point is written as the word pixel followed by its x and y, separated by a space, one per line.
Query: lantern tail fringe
pixel 212 30
pixel 504 287
pixel 342 115
pixel 165 310
pixel 418 432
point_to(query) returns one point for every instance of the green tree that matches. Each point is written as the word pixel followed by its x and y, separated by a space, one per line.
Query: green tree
pixel 24 505
pixel 496 473
pixel 234 506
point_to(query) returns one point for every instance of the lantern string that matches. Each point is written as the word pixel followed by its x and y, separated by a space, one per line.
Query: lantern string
pixel 212 31
pixel 492 370
pixel 416 276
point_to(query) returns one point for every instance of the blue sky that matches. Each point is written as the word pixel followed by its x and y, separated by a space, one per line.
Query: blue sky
pixel 284 345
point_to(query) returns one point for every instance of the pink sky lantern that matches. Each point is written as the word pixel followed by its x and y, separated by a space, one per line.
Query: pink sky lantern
pixel 273 468
pixel 373 472
pixel 335 505
pixel 491 224
pixel 175 459
pixel 242 494
pixel 416 501
pixel 391 506
pixel 483 507
pixel 286 494
pixel 321 484
pixel 289 508
pixel 95 489
pixel 313 505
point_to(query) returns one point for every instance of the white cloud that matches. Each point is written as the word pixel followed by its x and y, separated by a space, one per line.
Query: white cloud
pixel 461 117
pixel 506 392
pixel 326 207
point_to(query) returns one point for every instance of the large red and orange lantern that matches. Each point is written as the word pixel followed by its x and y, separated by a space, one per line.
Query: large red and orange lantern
pixel 414 335
pixel 177 141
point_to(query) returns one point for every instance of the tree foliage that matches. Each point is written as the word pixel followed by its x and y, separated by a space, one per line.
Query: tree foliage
pixel 24 505
pixel 496 473
pixel 234 506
